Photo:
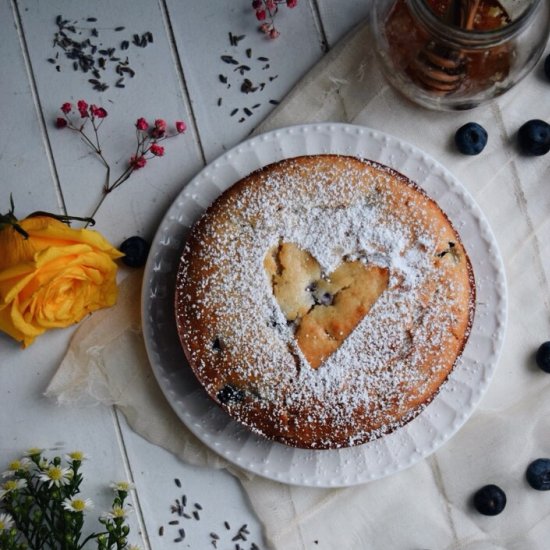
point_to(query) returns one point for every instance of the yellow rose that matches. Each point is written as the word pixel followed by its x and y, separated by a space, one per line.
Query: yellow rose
pixel 54 278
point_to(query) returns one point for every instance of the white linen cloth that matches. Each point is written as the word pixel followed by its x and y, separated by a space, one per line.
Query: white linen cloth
pixel 429 505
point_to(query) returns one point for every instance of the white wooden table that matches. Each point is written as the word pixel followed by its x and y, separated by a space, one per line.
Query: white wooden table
pixel 176 77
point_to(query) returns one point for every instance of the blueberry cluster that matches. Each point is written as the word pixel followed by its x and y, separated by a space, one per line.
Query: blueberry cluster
pixel 490 500
pixel 533 137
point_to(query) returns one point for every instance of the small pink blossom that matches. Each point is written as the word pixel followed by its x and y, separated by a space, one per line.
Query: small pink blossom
pixel 142 124
pixel 137 162
pixel 82 108
pixel 291 3
pixel 260 15
pixel 160 124
pixel 98 112
pixel 265 28
pixel 274 33
pixel 149 137
pixel 160 128
pixel 157 150
pixel 270 5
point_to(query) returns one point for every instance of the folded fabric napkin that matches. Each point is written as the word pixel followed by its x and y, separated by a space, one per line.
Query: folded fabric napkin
pixel 427 506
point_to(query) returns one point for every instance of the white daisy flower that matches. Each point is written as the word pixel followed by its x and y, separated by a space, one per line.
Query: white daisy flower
pixel 117 512
pixel 122 486
pixel 33 451
pixel 76 456
pixel 56 475
pixel 16 466
pixel 77 504
pixel 12 485
pixel 6 522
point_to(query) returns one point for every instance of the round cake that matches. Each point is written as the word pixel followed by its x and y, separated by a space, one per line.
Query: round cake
pixel 323 300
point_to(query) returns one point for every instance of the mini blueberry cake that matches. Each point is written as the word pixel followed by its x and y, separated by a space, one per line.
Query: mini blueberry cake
pixel 323 300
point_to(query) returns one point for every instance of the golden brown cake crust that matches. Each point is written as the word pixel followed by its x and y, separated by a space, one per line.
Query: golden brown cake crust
pixel 323 300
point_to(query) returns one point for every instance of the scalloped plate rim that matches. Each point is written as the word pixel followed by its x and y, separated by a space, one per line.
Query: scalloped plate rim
pixel 207 426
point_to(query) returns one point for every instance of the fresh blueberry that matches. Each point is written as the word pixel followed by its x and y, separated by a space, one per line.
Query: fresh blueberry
pixel 471 138
pixel 547 67
pixel 490 500
pixel 538 474
pixel 323 298
pixel 543 357
pixel 230 394
pixel 534 137
pixel 135 250
pixel 217 344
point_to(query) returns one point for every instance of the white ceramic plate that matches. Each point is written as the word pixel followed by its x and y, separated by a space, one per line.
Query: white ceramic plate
pixel 327 468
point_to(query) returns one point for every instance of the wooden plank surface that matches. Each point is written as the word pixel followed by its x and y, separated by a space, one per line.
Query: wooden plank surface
pixel 202 38
pixel 339 17
pixel 176 77
pixel 153 92
pixel 26 172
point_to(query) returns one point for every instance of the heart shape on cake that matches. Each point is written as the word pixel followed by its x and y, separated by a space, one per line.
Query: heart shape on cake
pixel 325 309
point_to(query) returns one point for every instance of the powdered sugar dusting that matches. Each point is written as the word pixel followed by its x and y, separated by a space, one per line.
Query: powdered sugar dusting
pixel 236 335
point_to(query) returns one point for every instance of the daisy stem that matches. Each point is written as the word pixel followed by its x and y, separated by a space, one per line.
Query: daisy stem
pixel 90 537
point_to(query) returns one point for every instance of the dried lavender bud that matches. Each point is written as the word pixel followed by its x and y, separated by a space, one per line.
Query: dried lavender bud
pixel 229 59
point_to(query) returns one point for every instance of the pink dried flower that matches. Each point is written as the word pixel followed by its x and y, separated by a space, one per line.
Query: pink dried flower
pixel 98 112
pixel 157 150
pixel 160 124
pixel 142 124
pixel 82 108
pixel 265 28
pixel 160 128
pixel 137 162
pixel 148 138
pixel 266 10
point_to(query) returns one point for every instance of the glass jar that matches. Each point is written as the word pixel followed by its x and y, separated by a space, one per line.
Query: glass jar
pixel 457 54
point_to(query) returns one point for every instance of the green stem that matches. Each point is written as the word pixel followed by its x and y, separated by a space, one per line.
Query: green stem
pixel 90 537
pixel 61 217
pixel 35 493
